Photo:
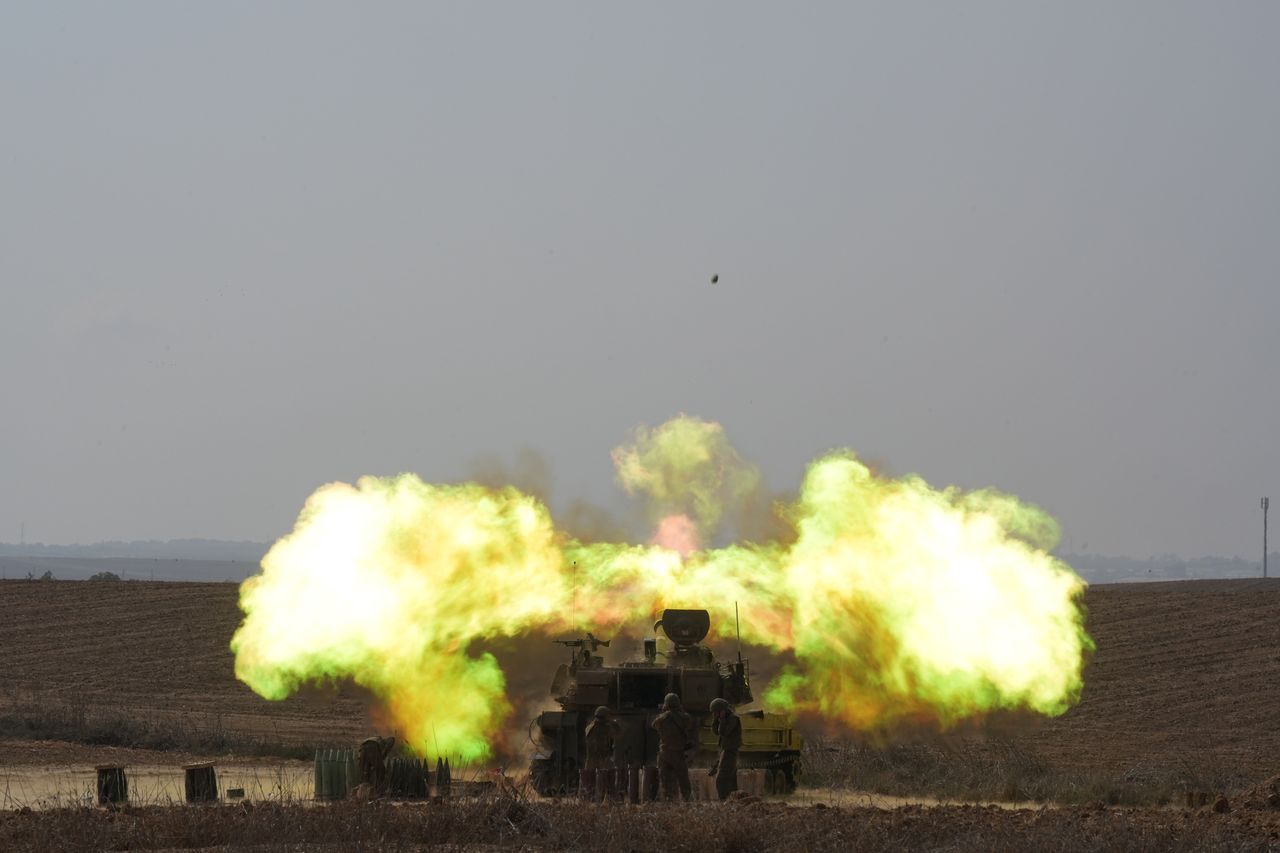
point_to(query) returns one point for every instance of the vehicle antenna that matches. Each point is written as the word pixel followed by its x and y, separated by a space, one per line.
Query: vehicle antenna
pixel 737 627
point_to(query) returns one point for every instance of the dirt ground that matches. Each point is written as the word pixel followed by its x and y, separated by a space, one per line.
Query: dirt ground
pixel 505 823
pixel 58 753
pixel 155 650
pixel 1185 673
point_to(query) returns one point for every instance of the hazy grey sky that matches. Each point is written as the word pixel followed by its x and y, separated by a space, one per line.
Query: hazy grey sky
pixel 249 248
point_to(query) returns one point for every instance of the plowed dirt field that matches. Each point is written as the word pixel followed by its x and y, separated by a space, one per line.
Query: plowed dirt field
pixel 1185 673
pixel 155 650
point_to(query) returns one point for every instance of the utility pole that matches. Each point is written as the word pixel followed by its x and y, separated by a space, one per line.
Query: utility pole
pixel 1266 504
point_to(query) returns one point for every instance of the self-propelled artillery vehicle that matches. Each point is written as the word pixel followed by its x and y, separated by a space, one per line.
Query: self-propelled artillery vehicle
pixel 633 691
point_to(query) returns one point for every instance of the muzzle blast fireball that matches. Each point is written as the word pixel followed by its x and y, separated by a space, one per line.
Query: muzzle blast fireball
pixel 898 601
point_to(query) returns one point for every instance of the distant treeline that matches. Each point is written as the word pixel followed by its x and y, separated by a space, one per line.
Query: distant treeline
pixel 172 549
pixel 1097 568
pixel 202 559
pixel 124 568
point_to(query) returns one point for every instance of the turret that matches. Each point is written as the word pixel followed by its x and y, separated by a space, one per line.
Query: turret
pixel 687 629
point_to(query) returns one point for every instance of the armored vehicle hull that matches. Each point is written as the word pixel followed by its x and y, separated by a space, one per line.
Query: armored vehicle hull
pixel 633 692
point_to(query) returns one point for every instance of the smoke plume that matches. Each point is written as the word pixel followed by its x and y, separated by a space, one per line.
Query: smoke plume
pixel 897 601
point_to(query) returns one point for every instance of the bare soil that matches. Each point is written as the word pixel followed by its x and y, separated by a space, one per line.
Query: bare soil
pixel 160 651
pixel 61 753
pixel 1186 675
pixel 512 823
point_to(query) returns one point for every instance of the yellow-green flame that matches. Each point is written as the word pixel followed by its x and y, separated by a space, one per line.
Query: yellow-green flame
pixel 899 601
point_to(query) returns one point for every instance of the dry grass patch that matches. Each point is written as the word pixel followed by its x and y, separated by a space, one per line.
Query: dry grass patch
pixel 513 823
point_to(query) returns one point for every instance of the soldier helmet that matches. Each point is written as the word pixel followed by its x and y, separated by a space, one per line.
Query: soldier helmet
pixel 720 705
pixel 602 713
pixel 671 703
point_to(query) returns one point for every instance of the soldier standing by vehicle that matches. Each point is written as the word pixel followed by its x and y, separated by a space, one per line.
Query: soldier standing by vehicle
pixel 729 728
pixel 676 735
pixel 601 735
pixel 373 763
